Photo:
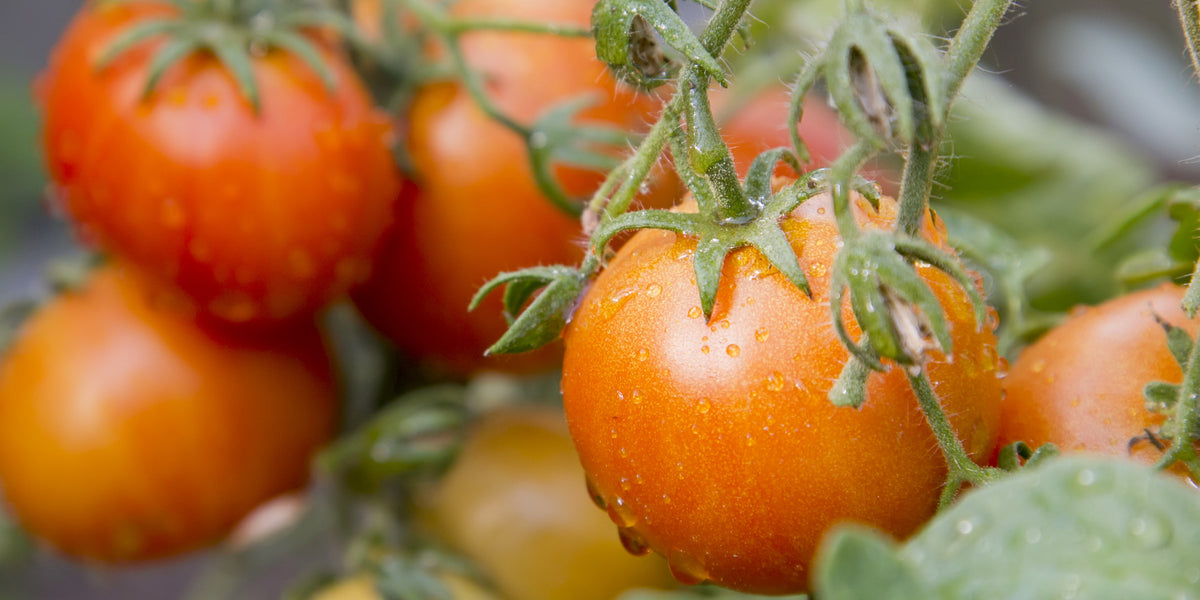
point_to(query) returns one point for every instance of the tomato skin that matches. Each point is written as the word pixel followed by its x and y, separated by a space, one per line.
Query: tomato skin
pixel 258 217
pixel 513 502
pixel 363 588
pixel 128 432
pixel 1080 386
pixel 716 444
pixel 478 210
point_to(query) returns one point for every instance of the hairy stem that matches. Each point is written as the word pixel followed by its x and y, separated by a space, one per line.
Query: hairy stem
pixel 915 188
pixel 961 469
pixel 1186 420
pixel 1189 18
pixel 462 24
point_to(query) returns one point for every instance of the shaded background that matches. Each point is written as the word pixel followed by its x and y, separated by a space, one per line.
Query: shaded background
pixel 1117 64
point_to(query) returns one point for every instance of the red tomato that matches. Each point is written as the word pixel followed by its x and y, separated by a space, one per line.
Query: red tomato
pixel 478 211
pixel 129 432
pixel 259 217
pixel 715 443
pixel 1080 386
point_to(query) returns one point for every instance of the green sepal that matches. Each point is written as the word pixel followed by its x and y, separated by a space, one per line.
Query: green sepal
pixel 171 53
pixel 417 434
pixel 624 32
pixel 758 179
pixel 1161 397
pixel 400 577
pixel 850 389
pixel 543 319
pixel 867 81
pixel 1019 455
pixel 132 37
pixel 303 48
pixel 707 263
pixel 652 218
pixel 856 563
pixel 1179 341
pixel 924 67
pixel 556 138
pixel 804 81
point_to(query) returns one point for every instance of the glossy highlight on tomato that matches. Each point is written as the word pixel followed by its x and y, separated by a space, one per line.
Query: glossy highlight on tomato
pixel 260 216
pixel 476 210
pixel 714 442
pixel 1081 385
pixel 130 432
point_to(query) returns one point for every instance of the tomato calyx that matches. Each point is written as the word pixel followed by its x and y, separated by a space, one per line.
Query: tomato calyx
pixel 625 40
pixel 233 31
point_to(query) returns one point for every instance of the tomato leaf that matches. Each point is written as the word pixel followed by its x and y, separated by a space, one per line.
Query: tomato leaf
pixel 1082 527
pixel 855 563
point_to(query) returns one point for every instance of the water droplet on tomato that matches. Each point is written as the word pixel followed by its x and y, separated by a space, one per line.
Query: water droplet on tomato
pixel 625 484
pixel 633 542
pixel 686 568
pixel 643 354
pixel 733 350
pixel 821 210
pixel 636 397
pixel 762 334
pixel 619 513
pixel 594 493
pixel 775 381
pixel 653 290
pixel 695 312
pixel 703 406
pixel 704 349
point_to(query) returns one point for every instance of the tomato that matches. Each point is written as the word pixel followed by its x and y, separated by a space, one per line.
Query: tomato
pixel 363 588
pixel 514 503
pixel 1080 386
pixel 130 432
pixel 477 211
pixel 259 216
pixel 715 444
pixel 760 123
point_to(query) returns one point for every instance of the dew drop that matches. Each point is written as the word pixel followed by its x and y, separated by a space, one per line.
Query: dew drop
pixel 703 406
pixel 625 484
pixel 724 323
pixel 964 527
pixel 620 396
pixel 1086 477
pixel 633 542
pixel 695 312
pixel 636 397
pixel 618 512
pixel 653 290
pixel 762 334
pixel 821 210
pixel 594 493
pixel 643 354
pixel 624 452
pixel 775 381
pixel 704 349
pixel 733 350
pixel 686 568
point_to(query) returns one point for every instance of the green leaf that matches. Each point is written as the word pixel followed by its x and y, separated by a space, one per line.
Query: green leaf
pixel 543 320
pixel 854 563
pixel 708 260
pixel 1077 527
pixel 1160 396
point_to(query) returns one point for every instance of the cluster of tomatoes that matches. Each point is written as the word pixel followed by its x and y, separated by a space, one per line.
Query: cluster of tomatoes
pixel 148 408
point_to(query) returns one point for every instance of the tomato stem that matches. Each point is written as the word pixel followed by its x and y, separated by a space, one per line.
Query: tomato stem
pixel 961 468
pixel 915 188
pixel 1185 420
pixel 1189 18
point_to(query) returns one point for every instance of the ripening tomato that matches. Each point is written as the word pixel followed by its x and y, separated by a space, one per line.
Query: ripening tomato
pixel 1081 385
pixel 259 216
pixel 715 444
pixel 514 502
pixel 477 211
pixel 362 587
pixel 130 432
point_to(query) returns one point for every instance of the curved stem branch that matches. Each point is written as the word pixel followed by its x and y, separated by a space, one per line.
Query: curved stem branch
pixel 961 468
